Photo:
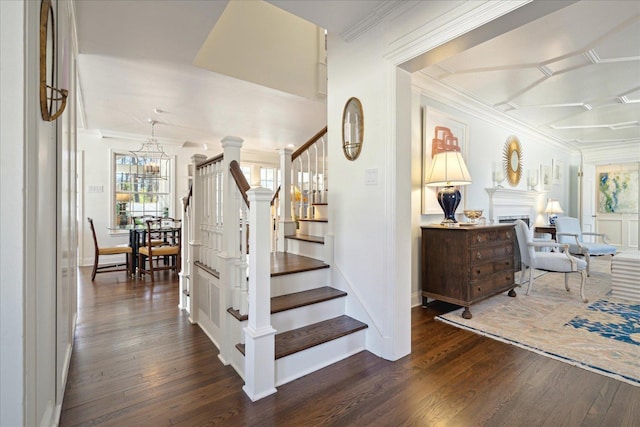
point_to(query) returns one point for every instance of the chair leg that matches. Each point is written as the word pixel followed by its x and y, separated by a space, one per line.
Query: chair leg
pixel 566 281
pixel 587 258
pixel 95 267
pixel 524 268
pixel 583 273
pixel 151 268
pixel 140 265
pixel 530 279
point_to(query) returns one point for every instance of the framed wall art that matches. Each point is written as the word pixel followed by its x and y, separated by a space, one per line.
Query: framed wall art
pixel 545 177
pixel 557 167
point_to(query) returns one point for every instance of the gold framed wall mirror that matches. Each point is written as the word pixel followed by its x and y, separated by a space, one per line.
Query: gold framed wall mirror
pixel 352 128
pixel 512 160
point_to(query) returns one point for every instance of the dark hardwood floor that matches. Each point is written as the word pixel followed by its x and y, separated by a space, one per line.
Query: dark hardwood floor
pixel 137 361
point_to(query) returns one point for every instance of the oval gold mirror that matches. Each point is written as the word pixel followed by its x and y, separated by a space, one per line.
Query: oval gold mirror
pixel 512 156
pixel 49 94
pixel 352 129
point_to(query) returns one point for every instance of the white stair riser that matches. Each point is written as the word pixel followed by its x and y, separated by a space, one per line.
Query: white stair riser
pixel 313 228
pixel 297 282
pixel 307 315
pixel 321 211
pixel 304 248
pixel 304 362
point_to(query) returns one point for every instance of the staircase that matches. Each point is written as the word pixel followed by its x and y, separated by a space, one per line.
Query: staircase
pixel 307 315
pixel 313 330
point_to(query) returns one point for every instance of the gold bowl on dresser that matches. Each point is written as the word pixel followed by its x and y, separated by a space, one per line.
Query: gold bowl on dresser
pixel 473 214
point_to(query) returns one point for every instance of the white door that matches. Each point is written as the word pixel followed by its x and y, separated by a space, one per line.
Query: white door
pixel 588 198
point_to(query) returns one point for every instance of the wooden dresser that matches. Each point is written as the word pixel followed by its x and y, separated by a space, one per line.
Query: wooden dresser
pixel 467 264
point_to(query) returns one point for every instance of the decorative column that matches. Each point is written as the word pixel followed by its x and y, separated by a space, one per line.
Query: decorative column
pixel 286 224
pixel 259 356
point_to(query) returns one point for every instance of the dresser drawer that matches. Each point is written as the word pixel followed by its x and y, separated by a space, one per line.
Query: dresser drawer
pixel 490 285
pixel 482 254
pixel 481 270
pixel 481 238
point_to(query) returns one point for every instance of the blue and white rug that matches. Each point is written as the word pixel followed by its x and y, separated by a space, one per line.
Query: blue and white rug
pixel 602 336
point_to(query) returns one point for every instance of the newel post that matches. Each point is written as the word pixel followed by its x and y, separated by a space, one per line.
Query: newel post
pixel 229 250
pixel 191 238
pixel 286 224
pixel 259 362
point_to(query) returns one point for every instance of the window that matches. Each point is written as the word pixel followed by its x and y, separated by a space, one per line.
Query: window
pixel 268 178
pixel 142 186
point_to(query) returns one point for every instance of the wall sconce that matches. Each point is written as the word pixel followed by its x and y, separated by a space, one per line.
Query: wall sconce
pixel 48 93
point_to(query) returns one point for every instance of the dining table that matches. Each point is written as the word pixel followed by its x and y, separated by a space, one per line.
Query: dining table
pixel 138 235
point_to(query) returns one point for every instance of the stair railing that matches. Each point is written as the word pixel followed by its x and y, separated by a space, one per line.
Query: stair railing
pixel 208 190
pixel 185 249
pixel 300 186
pixel 313 188
pixel 241 202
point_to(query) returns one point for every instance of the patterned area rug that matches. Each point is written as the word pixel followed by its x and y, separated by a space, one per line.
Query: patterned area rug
pixel 602 335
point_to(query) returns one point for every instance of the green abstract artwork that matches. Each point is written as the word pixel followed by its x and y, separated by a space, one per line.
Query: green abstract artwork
pixel 618 192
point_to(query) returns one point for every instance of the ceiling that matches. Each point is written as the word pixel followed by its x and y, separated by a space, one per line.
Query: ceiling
pixel 574 74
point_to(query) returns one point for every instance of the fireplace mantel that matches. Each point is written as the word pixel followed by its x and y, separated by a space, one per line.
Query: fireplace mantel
pixel 507 202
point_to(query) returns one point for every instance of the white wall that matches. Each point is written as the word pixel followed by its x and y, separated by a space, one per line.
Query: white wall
pixel 372 222
pixel 38 304
pixel 12 147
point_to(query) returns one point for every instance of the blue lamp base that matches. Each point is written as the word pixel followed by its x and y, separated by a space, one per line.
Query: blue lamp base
pixel 449 198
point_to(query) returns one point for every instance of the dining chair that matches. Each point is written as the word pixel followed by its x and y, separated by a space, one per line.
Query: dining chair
pixel 112 250
pixel 168 231
pixel 568 231
pixel 141 220
pixel 559 262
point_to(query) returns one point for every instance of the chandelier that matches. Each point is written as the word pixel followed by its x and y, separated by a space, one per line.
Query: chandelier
pixel 151 160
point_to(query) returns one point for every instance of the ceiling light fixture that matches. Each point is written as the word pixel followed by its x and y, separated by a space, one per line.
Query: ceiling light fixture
pixel 151 160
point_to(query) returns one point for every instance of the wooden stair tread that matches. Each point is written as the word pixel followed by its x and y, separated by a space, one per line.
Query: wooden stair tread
pixel 287 263
pixel 313 219
pixel 296 300
pixel 306 238
pixel 300 339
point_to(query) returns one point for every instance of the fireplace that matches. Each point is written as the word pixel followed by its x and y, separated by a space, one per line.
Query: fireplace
pixel 505 202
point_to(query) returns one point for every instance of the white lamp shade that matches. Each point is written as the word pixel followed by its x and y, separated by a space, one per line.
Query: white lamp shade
pixel 447 169
pixel 553 207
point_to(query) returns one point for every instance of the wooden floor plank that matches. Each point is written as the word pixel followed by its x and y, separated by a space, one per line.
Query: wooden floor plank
pixel 137 361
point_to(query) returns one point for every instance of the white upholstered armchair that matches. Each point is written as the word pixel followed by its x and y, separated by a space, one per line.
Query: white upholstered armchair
pixel 560 262
pixel 568 231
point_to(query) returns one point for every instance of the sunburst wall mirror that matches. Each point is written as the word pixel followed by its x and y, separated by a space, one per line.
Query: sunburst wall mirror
pixel 512 160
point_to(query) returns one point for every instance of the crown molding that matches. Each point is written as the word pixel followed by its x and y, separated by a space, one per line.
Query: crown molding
pixel 436 90
pixel 375 17
pixel 455 23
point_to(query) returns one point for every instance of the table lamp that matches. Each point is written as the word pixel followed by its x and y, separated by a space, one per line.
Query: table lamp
pixel 553 208
pixel 448 170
